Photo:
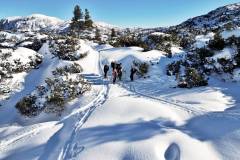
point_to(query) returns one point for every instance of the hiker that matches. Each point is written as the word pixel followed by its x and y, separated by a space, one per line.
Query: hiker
pixel 106 69
pixel 113 65
pixel 133 71
pixel 114 74
pixel 119 71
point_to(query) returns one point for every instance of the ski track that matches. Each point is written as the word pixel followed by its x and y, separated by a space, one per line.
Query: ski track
pixel 71 148
pixel 22 136
pixel 173 103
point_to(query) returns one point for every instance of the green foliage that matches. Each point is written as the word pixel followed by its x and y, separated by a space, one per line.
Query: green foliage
pixel 77 23
pixel 193 78
pixel 204 52
pixel 88 22
pixel 27 106
pixel 168 50
pixel 237 59
pixel 143 68
pixel 217 43
pixel 173 68
pixel 113 33
pixel 98 35
pixel 130 40
pixel 73 68
pixel 65 48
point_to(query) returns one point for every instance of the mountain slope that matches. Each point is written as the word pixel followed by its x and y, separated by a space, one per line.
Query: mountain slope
pixel 221 17
pixel 33 22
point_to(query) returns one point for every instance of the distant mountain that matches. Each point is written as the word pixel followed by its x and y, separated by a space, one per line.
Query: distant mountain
pixel 227 16
pixel 35 22
pixel 39 22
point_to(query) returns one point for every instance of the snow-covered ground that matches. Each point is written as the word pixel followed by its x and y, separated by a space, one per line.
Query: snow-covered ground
pixel 146 119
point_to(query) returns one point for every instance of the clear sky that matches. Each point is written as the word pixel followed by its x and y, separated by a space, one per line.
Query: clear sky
pixel 126 13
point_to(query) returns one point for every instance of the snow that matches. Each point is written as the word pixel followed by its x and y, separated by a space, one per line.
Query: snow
pixel 22 54
pixel 146 119
pixel 202 40
pixel 159 34
pixel 227 34
pixel 226 53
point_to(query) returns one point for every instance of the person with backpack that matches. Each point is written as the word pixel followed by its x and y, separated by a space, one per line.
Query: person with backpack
pixel 119 71
pixel 132 72
pixel 113 65
pixel 114 74
pixel 105 69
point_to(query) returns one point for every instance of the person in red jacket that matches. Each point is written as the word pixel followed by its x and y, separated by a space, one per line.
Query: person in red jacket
pixel 114 74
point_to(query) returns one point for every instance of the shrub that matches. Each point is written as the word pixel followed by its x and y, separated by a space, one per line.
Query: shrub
pixel 143 68
pixel 27 106
pixel 227 65
pixel 194 78
pixel 204 52
pixel 66 48
pixel 217 43
pixel 73 68
pixel 173 68
pixel 237 59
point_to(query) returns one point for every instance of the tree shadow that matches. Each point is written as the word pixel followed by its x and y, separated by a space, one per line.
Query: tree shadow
pixel 128 132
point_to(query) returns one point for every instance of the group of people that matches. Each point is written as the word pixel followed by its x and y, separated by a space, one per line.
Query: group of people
pixel 117 71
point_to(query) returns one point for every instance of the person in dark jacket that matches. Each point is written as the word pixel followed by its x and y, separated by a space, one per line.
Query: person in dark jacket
pixel 114 75
pixel 113 65
pixel 119 71
pixel 105 69
pixel 132 72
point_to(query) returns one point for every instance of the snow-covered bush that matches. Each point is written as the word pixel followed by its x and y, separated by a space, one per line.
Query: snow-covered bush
pixel 204 53
pixel 62 91
pixel 66 48
pixel 217 43
pixel 73 68
pixel 34 44
pixel 27 106
pixel 128 41
pixel 142 67
pixel 173 68
pixel 66 85
pixel 19 60
pixel 193 78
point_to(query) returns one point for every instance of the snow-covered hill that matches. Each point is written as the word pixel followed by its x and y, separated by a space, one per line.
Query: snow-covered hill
pixel 226 16
pixel 35 22
pixel 40 22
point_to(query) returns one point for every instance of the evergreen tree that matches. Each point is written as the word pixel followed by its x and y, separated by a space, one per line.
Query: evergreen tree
pixel 77 23
pixel 88 22
pixel 113 33
pixel 97 35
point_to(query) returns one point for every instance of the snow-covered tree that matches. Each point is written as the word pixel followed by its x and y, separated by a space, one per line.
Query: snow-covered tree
pixel 97 35
pixel 77 23
pixel 88 21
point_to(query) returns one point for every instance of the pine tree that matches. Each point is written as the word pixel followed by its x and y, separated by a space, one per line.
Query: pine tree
pixel 88 22
pixel 77 23
pixel 113 33
pixel 97 35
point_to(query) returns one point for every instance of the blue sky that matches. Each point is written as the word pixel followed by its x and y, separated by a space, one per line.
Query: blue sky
pixel 127 13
